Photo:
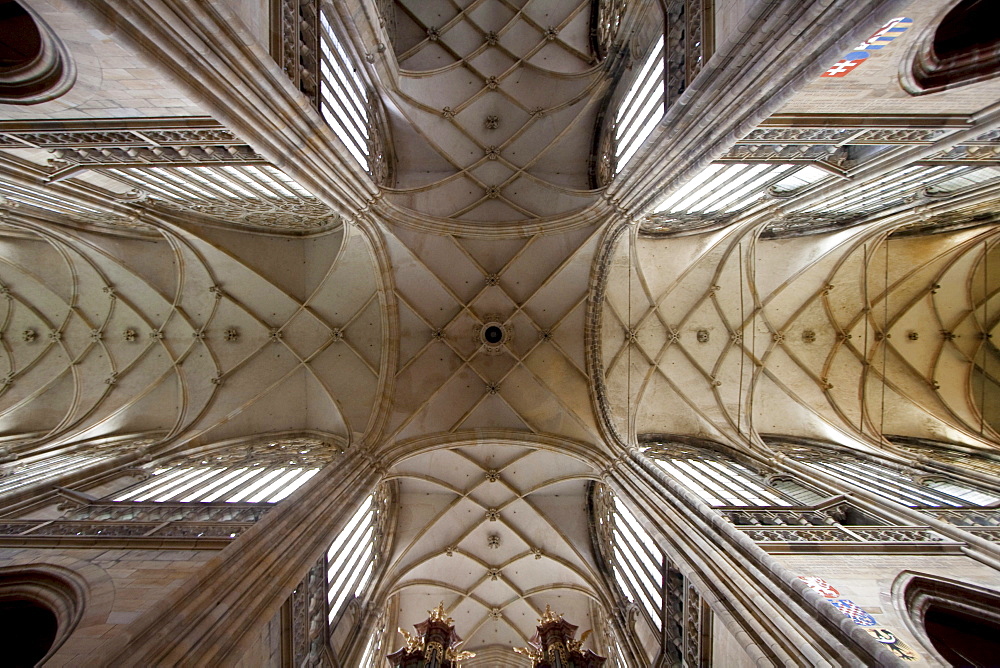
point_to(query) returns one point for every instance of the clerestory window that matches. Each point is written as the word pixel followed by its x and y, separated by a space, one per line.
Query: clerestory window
pixel 660 74
pixel 671 620
pixel 350 559
pixel 253 484
pixel 342 96
pixel 901 488
pixel 721 481
pixel 311 48
pixel 642 106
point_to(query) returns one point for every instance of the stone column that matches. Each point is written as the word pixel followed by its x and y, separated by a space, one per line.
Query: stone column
pixel 214 616
pixel 776 619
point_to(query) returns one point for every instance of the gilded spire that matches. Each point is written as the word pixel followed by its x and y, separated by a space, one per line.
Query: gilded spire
pixel 549 616
pixel 438 614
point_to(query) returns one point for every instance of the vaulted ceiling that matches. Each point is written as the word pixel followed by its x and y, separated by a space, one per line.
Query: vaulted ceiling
pixel 496 532
pixel 493 109
pixel 172 334
pixel 852 335
pixel 359 313
pixel 448 380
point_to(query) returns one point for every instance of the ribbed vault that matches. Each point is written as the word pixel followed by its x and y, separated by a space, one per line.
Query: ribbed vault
pixel 844 336
pixel 496 532
pixel 172 334
pixel 448 380
pixel 493 108
pixel 199 281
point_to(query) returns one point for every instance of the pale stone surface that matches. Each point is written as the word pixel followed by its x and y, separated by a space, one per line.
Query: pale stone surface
pixel 868 579
pixel 364 332
pixel 113 79
pixel 727 650
pixel 124 583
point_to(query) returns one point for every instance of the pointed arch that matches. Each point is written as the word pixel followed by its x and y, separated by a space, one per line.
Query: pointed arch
pixel 958 623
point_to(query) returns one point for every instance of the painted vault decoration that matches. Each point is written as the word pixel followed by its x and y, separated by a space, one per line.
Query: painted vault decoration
pixel 863 619
pixel 882 38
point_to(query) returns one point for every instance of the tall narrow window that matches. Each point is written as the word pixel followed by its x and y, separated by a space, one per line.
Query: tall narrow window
pixel 642 106
pixel 900 488
pixel 670 607
pixel 373 649
pixel 663 70
pixel 351 559
pixel 34 470
pixel 914 489
pixel 311 48
pixel 343 100
pixel 264 472
pixel 720 481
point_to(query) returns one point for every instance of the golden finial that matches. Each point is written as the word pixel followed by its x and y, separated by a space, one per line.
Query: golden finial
pixel 439 615
pixel 577 645
pixel 455 655
pixel 530 652
pixel 413 643
pixel 549 616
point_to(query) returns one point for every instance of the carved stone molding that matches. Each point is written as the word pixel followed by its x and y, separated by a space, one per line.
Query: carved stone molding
pixel 605 19
pixel 79 139
pixel 308 625
pixel 283 451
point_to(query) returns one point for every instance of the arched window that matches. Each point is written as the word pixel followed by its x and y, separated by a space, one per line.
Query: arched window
pixel 721 481
pixel 260 472
pixel 969 26
pixel 884 481
pixel 34 65
pixel 20 42
pixel 962 48
pixel 960 638
pixel 671 614
pixel 960 490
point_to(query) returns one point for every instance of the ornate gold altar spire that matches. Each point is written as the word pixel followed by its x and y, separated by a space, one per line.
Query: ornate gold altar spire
pixel 549 616
pixel 438 614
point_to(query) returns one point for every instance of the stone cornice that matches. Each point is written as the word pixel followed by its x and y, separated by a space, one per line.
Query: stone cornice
pixel 212 617
pixel 202 47
pixel 802 37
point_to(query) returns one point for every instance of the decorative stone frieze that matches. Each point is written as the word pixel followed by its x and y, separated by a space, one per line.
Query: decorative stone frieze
pixel 288 451
pixel 606 17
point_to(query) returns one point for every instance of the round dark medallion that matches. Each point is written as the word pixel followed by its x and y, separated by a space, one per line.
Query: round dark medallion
pixel 493 334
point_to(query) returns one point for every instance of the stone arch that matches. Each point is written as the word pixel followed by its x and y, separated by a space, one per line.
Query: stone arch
pixel 494 549
pixel 62 592
pixel 958 48
pixel 35 65
pixel 942 613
